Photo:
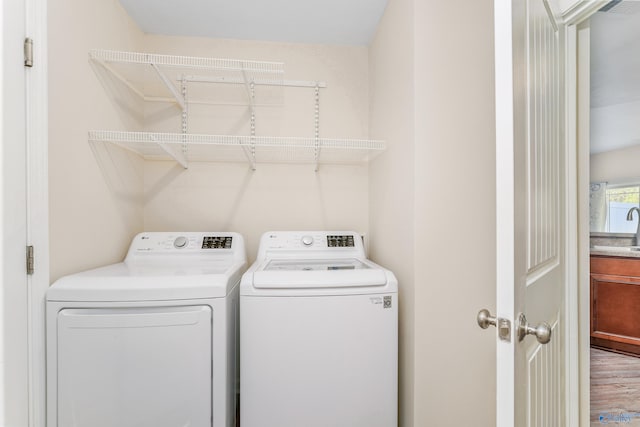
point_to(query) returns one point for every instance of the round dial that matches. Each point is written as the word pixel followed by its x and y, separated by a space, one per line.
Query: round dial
pixel 180 242
pixel 307 240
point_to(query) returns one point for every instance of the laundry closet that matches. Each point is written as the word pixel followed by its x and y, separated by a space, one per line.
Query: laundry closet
pixel 114 193
pixel 409 160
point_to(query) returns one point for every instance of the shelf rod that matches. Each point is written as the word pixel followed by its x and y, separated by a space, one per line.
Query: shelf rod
pixel 169 85
pixel 206 102
pixel 257 82
pixel 251 159
pixel 317 127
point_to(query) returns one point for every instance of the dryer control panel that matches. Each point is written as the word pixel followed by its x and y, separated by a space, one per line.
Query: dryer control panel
pixel 186 242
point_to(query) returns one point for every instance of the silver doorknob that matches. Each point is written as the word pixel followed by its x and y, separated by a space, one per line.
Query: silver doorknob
pixel 542 331
pixel 485 319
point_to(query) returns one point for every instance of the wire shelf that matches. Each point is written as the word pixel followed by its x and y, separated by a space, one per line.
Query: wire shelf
pixel 157 77
pixel 192 62
pixel 186 148
pixel 165 78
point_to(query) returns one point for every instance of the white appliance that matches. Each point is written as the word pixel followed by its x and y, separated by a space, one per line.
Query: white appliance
pixel 318 334
pixel 151 341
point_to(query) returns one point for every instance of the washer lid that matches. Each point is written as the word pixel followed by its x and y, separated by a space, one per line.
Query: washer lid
pixel 155 280
pixel 318 273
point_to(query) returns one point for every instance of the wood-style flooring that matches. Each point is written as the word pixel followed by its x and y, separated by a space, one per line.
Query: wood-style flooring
pixel 615 389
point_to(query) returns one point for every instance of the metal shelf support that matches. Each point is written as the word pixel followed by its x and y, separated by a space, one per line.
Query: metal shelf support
pixel 169 86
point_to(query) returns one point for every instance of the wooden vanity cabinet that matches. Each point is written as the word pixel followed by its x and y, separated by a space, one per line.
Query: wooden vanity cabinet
pixel 615 303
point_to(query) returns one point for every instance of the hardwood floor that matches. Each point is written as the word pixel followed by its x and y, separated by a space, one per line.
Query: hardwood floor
pixel 615 388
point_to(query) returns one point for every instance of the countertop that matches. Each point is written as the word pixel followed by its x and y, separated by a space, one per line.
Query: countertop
pixel 620 253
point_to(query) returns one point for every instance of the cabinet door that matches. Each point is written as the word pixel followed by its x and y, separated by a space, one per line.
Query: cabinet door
pixel 615 318
pixel 137 367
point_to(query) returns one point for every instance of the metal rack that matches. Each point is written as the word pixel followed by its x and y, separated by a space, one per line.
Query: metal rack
pixel 166 78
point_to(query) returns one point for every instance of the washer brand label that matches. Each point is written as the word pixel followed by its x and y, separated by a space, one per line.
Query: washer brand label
pixel 387 302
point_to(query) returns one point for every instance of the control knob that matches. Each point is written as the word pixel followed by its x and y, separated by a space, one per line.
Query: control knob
pixel 180 242
pixel 307 240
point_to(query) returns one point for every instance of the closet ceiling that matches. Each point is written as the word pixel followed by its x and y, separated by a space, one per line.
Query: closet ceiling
pixel 615 77
pixel 342 22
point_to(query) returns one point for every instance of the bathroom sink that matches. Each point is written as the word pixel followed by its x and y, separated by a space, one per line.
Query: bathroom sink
pixel 616 248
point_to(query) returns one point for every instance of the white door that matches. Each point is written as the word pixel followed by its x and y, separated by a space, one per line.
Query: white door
pixel 14 397
pixel 128 367
pixel 531 218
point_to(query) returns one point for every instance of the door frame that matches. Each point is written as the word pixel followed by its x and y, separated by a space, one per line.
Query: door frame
pixel 37 205
pixel 577 174
pixel 37 135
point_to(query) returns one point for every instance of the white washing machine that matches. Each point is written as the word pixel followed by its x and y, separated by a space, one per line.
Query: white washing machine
pixel 318 334
pixel 151 341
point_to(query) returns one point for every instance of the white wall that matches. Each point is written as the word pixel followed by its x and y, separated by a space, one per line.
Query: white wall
pixel 432 97
pixel 616 167
pixel 614 127
pixel 95 194
pixel 229 196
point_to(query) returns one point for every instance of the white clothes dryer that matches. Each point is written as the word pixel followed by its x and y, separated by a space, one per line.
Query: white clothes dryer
pixel 318 334
pixel 150 341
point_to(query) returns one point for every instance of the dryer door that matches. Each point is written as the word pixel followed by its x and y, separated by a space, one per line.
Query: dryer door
pixel 131 367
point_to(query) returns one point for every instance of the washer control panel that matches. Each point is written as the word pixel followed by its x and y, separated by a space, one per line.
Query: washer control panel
pixel 312 241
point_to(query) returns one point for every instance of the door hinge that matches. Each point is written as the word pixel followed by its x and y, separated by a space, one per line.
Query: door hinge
pixel 30 262
pixel 28 52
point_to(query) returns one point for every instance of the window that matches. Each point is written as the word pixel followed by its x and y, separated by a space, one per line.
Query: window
pixel 618 202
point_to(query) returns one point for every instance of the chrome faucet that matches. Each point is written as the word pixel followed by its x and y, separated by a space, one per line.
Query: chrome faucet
pixel 630 218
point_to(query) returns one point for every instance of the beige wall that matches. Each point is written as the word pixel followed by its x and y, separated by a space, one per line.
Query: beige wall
pixel 432 98
pixel 616 167
pixel 392 217
pixel 101 196
pixel 229 196
pixel 455 213
pixel 95 195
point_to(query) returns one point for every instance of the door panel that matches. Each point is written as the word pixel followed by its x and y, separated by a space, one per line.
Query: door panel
pixel 335 365
pixel 531 215
pixel 543 288
pixel 133 367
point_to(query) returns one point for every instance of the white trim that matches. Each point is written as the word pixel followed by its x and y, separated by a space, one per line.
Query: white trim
pixel 505 292
pixel 582 11
pixel 577 297
pixel 3 385
pixel 582 127
pixel 37 204
pixel 571 289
